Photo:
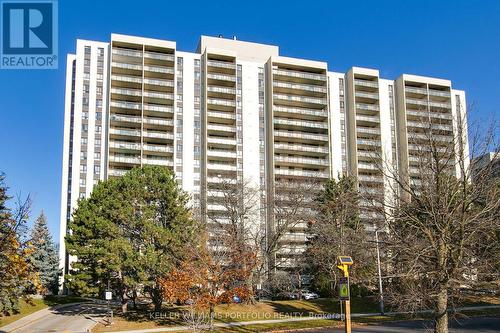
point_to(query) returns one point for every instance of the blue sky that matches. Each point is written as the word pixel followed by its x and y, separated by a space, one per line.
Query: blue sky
pixel 454 39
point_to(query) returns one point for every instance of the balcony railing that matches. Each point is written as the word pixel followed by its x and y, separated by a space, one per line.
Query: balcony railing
pixel 125 105
pixel 221 128
pixel 301 160
pixel 416 101
pixel 159 121
pixel 373 143
pixel 222 102
pixel 367 178
pixel 292 110
pixel 159 82
pixel 440 105
pixel 123 65
pixel 301 75
pixel 126 78
pixel 158 149
pixel 221 77
pixel 124 145
pixel 154 94
pixel 158 108
pixel 223 115
pixel 158 135
pixel 127 52
pixel 221 64
pixel 301 135
pixel 159 56
pixel 222 90
pixel 303 99
pixel 154 161
pixel 124 132
pixel 429 114
pixel 124 159
pixel 159 69
pixel 366 83
pixel 301 148
pixel 221 153
pixel 364 106
pixel 127 119
pixel 117 172
pixel 222 141
pixel 128 92
pixel 368 130
pixel 224 167
pixel 416 90
pixel 364 94
pixel 301 173
pixel 297 86
pixel 439 93
pixel 372 119
pixel 300 123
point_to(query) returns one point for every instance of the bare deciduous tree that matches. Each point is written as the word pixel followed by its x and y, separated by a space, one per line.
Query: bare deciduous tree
pixel 442 227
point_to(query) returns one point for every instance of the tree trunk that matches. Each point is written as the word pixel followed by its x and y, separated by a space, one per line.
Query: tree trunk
pixel 212 315
pixel 441 312
pixel 124 305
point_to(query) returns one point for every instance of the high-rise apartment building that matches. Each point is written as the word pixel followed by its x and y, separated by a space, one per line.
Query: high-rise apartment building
pixel 239 111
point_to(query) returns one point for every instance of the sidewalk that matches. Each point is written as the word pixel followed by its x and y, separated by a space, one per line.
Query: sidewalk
pixel 271 321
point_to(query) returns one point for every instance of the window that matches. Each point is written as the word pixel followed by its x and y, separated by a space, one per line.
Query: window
pixel 98 103
pixel 100 52
pixel 98 129
pixel 97 169
pixel 97 156
pixel 85 115
pixel 85 127
pixel 197 62
pixel 98 115
pixel 98 90
pixel 87 49
pixel 83 168
pixel 83 155
pixel 97 142
pixel 82 195
pixel 82 181
pixel 84 141
pixel 86 88
pixel 179 148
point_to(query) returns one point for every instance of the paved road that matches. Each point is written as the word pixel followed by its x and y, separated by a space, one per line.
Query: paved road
pixel 473 325
pixel 74 319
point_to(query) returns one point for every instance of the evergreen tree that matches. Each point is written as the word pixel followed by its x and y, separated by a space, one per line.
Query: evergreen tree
pixel 44 257
pixel 129 234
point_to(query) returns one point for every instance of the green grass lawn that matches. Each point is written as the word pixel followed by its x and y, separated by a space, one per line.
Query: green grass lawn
pixel 37 304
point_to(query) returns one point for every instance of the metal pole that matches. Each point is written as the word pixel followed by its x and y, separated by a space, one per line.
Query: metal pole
pixel 381 292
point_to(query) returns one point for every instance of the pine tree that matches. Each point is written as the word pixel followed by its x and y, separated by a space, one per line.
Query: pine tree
pixel 45 258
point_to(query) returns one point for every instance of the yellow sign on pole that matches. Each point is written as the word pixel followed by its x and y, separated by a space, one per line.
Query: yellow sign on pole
pixel 344 263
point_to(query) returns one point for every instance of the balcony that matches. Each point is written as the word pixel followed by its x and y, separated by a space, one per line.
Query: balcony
pixel 125 105
pixel 126 92
pixel 301 173
pixel 300 87
pixel 125 119
pixel 155 161
pixel 300 100
pixel 225 129
pixel 220 166
pixel 285 147
pixel 371 120
pixel 159 69
pixel 125 67
pixel 287 73
pixel 368 143
pixel 368 130
pixel 366 95
pixel 220 115
pixel 221 64
pixel 160 122
pixel 124 159
pixel 301 136
pixel 221 180
pixel 300 123
pixel 158 148
pixel 418 102
pixel 158 135
pixel 369 107
pixel 127 53
pixel 126 78
pixel 225 103
pixel 221 77
pixel 221 90
pixel 367 166
pixel 117 172
pixel 299 112
pixel 124 132
pixel 158 95
pixel 287 160
pixel 159 56
pixel 426 115
pixel 224 154
pixel 440 105
pixel 158 108
pixel 221 141
pixel 120 145
pixel 370 179
pixel 366 83
pixel 159 82
pixel 439 93
pixel 416 90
